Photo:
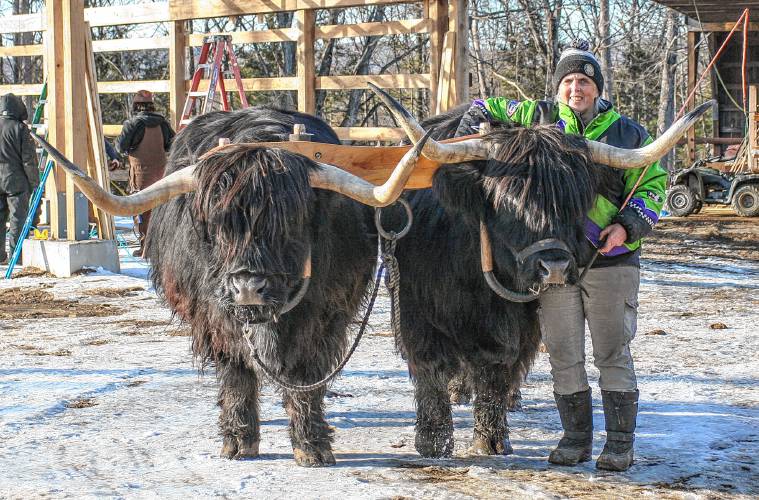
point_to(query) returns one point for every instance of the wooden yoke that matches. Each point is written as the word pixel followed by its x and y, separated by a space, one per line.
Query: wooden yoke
pixel 371 163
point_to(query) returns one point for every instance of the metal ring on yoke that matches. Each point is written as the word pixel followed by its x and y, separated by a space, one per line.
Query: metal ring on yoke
pixel 393 235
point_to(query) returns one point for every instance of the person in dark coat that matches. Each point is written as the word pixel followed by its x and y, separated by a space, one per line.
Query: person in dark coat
pixel 18 170
pixel 145 138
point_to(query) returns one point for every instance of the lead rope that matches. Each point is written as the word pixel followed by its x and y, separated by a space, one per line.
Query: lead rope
pixel 387 242
pixel 248 333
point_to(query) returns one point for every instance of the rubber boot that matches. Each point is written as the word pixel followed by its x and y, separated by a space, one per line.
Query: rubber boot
pixel 620 412
pixel 576 412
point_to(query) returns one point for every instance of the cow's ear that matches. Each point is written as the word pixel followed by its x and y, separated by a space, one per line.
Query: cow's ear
pixel 459 189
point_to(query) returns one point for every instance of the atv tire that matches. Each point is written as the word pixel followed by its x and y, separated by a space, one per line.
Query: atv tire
pixel 746 201
pixel 681 201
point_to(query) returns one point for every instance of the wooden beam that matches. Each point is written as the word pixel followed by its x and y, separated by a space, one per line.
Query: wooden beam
pixel 458 22
pixel 374 29
pixel 22 23
pixel 370 133
pixel 127 44
pixel 753 128
pixel 54 110
pixel 21 50
pixel 255 84
pixel 200 9
pixel 177 70
pixel 146 12
pixel 22 88
pixel 75 108
pixel 414 81
pixel 437 12
pixel 711 27
pixel 122 87
pixel 305 21
pixel 692 72
pixel 276 35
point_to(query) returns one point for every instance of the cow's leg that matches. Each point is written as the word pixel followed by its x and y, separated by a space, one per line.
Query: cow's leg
pixel 460 388
pixel 310 434
pixel 491 435
pixel 434 422
pixel 238 420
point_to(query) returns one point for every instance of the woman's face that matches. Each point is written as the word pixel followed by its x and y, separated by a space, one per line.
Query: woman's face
pixel 578 92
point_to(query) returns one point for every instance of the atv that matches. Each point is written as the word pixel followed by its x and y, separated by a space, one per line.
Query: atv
pixel 698 184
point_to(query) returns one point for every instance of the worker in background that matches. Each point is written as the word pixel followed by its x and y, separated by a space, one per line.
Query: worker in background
pixel 145 138
pixel 18 170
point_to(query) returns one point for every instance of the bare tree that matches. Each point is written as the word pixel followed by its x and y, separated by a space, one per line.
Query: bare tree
pixel 667 93
pixel 543 21
pixel 604 38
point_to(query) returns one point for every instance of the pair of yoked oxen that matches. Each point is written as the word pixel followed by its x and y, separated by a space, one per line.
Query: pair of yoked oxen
pixel 260 241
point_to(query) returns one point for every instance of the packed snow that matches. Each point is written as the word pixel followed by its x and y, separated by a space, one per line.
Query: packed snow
pixel 113 405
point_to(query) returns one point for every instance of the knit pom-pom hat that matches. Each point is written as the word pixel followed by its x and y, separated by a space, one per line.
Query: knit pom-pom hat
pixel 576 58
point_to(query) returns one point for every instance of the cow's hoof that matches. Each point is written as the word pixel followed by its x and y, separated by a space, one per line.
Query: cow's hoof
pixel 234 448
pixel 229 447
pixel 313 457
pixel 436 443
pixel 484 446
pixel 247 448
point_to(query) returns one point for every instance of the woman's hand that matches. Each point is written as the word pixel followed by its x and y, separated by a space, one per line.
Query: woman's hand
pixel 615 235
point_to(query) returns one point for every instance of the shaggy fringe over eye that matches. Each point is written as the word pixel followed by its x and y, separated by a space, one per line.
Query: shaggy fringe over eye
pixel 532 168
pixel 249 194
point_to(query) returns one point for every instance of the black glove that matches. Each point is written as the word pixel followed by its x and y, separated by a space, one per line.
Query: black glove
pixel 470 122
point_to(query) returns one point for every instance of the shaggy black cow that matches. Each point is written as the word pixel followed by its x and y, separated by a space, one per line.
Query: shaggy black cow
pixel 466 304
pixel 232 249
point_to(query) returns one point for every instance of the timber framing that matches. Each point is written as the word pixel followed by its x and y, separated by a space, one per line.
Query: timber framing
pixel 446 81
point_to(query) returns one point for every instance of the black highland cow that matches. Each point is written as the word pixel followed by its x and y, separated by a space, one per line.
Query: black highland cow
pixel 231 249
pixel 502 221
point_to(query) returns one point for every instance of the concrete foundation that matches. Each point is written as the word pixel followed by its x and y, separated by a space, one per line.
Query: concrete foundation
pixel 63 258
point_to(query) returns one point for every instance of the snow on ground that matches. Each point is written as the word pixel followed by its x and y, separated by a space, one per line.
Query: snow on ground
pixel 113 406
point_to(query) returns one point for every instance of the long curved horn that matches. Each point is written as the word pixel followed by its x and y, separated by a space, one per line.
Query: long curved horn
pixel 179 182
pixel 469 150
pixel 486 261
pixel 634 158
pixel 335 179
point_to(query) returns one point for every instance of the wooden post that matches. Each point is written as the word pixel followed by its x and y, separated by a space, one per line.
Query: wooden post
pixel 54 108
pixel 458 22
pixel 437 11
pixel 753 125
pixel 692 72
pixel 177 53
pixel 305 21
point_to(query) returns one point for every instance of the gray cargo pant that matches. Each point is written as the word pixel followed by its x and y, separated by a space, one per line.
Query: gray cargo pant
pixel 13 208
pixel 611 310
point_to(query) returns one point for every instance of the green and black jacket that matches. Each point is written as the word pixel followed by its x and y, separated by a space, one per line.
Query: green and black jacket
pixel 642 211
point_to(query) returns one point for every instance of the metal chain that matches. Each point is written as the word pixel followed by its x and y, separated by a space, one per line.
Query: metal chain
pixel 247 334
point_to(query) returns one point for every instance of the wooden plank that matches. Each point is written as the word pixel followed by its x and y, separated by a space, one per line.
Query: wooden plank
pixel 386 81
pixel 177 71
pixel 458 22
pixel 275 35
pixel 200 9
pixel 121 87
pixel 437 11
pixel 127 44
pixel 54 110
pixel 22 89
pixel 21 50
pixel 305 21
pixel 112 130
pixel 375 29
pixel 720 26
pixel 692 72
pixel 753 127
pixel 446 68
pixel 22 23
pixel 255 84
pixel 75 110
pixel 97 162
pixel 147 12
pixel 370 133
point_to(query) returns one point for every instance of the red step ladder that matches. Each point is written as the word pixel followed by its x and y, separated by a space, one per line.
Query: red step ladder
pixel 214 46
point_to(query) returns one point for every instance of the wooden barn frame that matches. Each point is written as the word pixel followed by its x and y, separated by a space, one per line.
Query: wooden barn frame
pixel 65 24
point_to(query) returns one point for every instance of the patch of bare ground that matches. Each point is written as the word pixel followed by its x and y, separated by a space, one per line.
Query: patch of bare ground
pixel 81 403
pixel 516 483
pixel 713 233
pixel 28 302
pixel 31 350
pixel 114 292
